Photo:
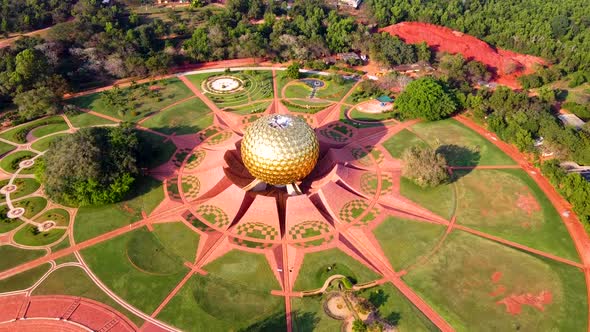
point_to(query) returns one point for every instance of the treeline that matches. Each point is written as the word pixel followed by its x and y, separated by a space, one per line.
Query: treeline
pixel 23 16
pixel 572 186
pixel 555 30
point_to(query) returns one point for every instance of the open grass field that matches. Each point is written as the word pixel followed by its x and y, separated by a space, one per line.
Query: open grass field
pixel 178 239
pixel 315 269
pixel 25 186
pixel 23 280
pixel 143 103
pixel 188 117
pixel 215 304
pixel 48 129
pixel 467 280
pixel 43 143
pixel 11 161
pixel 92 221
pixel 74 281
pixel 13 256
pixel 5 148
pixel 515 208
pixel 397 144
pixel 440 200
pixel 154 149
pixel 32 205
pixel 29 236
pixel 374 117
pixel 405 242
pixel 309 315
pixel 465 147
pixel 145 286
pixel 42 127
pixel 396 309
pixel 65 243
pixel 81 119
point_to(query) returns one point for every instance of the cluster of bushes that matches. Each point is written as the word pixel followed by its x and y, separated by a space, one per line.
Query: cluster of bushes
pixel 582 111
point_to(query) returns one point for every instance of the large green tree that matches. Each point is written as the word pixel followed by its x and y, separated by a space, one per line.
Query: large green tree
pixel 424 166
pixel 92 166
pixel 37 102
pixel 426 98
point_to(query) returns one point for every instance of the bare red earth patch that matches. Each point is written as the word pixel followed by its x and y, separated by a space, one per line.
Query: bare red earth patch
pixel 507 65
pixel 500 289
pixel 528 203
pixel 496 276
pixel 514 302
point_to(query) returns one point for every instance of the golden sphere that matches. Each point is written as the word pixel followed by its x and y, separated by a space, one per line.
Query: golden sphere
pixel 280 149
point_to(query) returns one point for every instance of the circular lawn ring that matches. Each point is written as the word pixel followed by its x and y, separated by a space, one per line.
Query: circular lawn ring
pixel 46 225
pixel 15 213
pixel 7 189
pixel 223 84
pixel 26 163
pixel 313 83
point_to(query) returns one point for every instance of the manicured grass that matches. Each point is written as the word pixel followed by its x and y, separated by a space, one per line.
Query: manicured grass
pixel 440 199
pixel 19 134
pixel 11 161
pixel 23 280
pixel 249 109
pixel 81 119
pixel 373 117
pixel 60 216
pixel 314 271
pixel 508 193
pixel 333 91
pixel 110 261
pixel 179 239
pixel 43 144
pixel 297 90
pixel 65 243
pixel 66 259
pixel 74 281
pixel 92 221
pixel 401 141
pixel 13 256
pixel 189 117
pixel 243 269
pixel 49 129
pixel 457 283
pixel 405 242
pixel 211 304
pixel 7 224
pixel 153 150
pixel 29 236
pixel 309 315
pixel 450 132
pixel 172 90
pixel 32 205
pixel 307 106
pixel 24 187
pixel 147 254
pixel 396 309
pixel 5 148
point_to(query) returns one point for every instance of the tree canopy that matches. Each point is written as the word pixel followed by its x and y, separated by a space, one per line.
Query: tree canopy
pixel 425 98
pixel 92 166
pixel 424 166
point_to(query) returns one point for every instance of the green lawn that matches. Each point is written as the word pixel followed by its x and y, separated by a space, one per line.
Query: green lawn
pixel 153 150
pixel 43 144
pixel 74 281
pixel 189 117
pixel 314 270
pixel 249 109
pixel 179 239
pixel 65 243
pixel 5 148
pixel 171 91
pixel 373 117
pixel 32 205
pixel 297 90
pixel 25 186
pixel 405 242
pixel 457 283
pixel 214 304
pixel 81 119
pixel 398 143
pixel 466 147
pixel 92 221
pixel 11 161
pixel 309 315
pixel 440 200
pixel 113 263
pixel 514 208
pixel 49 129
pixel 396 309
pixel 23 280
pixel 29 236
pixel 60 216
pixel 13 256
pixel 333 91
pixel 44 126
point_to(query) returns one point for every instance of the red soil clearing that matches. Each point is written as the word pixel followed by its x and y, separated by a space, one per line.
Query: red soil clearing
pixel 528 204
pixel 496 276
pixel 443 39
pixel 514 303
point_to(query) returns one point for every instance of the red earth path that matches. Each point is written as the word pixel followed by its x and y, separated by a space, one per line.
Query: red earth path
pixel 443 39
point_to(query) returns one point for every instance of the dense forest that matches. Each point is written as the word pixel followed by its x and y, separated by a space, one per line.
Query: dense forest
pixel 23 16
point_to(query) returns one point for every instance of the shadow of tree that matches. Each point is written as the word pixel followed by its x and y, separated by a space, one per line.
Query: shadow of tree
pixel 459 155
pixel 378 298
pixel 306 321
pixel 393 318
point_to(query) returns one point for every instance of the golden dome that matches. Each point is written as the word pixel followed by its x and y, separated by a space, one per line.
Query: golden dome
pixel 280 149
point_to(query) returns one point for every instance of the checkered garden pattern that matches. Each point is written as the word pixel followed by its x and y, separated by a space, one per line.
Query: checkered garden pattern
pixel 172 189
pixel 362 155
pixel 195 159
pixel 200 225
pixel 180 156
pixel 369 183
pixel 337 132
pixel 213 215
pixel 308 229
pixel 353 209
pixel 219 138
pixel 191 186
pixel 257 230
